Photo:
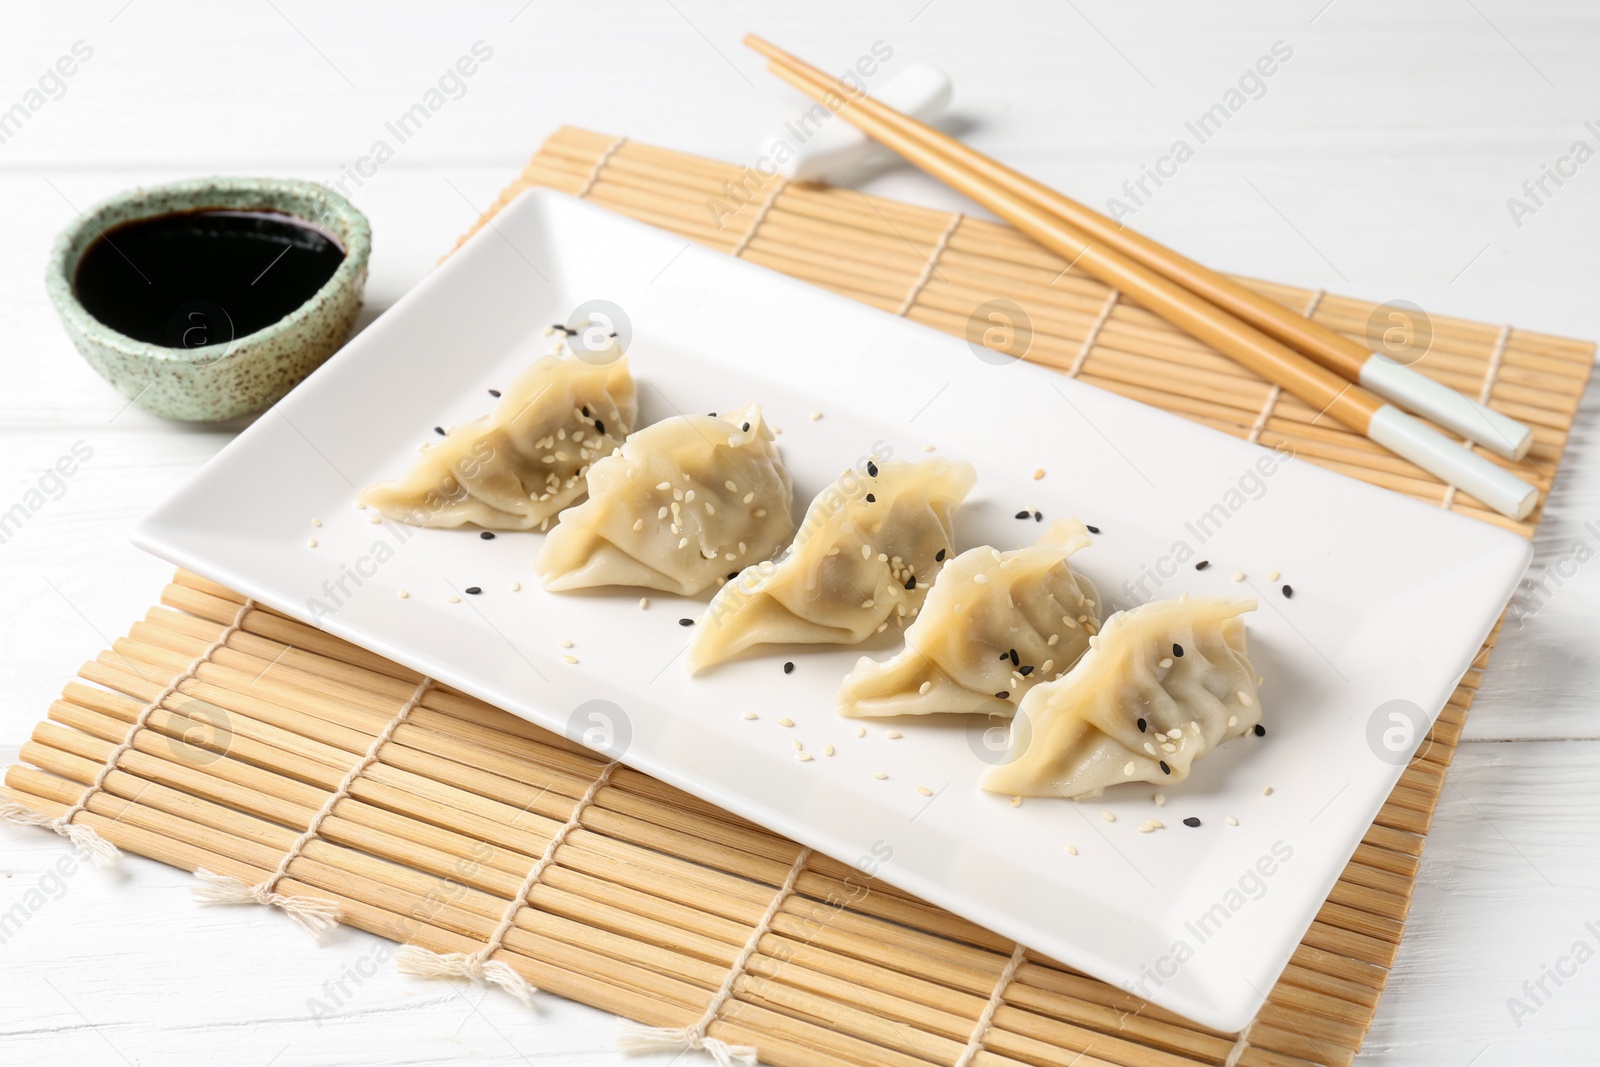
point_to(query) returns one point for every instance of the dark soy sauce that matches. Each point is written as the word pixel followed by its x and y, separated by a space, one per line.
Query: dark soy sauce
pixel 200 278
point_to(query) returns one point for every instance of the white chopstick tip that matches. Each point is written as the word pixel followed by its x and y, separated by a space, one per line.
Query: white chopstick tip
pixel 1446 459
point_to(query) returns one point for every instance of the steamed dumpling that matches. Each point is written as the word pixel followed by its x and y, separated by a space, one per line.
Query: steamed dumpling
pixel 514 468
pixel 867 550
pixel 1161 685
pixel 681 506
pixel 995 624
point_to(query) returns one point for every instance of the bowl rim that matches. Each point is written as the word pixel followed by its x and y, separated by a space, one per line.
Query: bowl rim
pixel 339 218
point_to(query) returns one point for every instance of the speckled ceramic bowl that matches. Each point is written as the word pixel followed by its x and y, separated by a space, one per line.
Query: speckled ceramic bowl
pixel 242 375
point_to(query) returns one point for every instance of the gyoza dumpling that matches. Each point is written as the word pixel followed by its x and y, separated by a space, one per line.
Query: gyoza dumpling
pixel 681 506
pixel 995 624
pixel 867 549
pixel 514 468
pixel 1161 685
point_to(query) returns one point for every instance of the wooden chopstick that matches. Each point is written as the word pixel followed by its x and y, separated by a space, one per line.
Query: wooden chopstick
pixel 1400 384
pixel 1326 391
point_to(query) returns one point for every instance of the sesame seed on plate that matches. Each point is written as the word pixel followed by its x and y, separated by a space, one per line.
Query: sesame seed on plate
pixel 1191 821
pixel 473 590
pixel 564 643
pixel 1230 820
pixel 515 587
pixel 893 735
pixel 486 535
pixel 375 519
pixel 685 622
pixel 1128 768
pixel 1288 591
pixel 1260 731
pixel 803 757
pixel 1246 699
pixel 1016 802
pixel 924 790
pixel 570 659
pixel 316 522
pixel 1233 720
pixel 922 690
pixel 1072 850
pixel 1160 799
pixel 1266 790
pixel 452 599
pixel 644 602
pixel 751 715
pixel 799 745
pixel 1038 473
pixel 1151 824
pixel 1108 816
pixel 827 750
pixel 311 542
pixel 1272 576
pixel 861 731
pixel 1164 768
pixel 402 594
pixel 815 415
pixel 785 721
pixel 879 775
pixel 1238 576
pixel 1202 565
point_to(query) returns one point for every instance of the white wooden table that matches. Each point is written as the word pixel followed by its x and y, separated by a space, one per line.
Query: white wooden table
pixel 1377 161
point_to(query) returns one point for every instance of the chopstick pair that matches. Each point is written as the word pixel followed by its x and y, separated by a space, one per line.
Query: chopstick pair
pixel 1327 370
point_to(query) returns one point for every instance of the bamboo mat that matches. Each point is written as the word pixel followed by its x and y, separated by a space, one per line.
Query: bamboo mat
pixel 249 745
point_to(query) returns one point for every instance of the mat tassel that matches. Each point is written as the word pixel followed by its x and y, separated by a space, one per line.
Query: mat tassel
pixel 102 852
pixel 635 1040
pixel 421 963
pixel 316 916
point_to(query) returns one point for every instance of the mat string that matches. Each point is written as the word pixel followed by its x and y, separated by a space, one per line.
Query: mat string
pixel 930 265
pixel 1093 335
pixel 980 1029
pixel 1240 1046
pixel 599 165
pixel 761 216
pixel 316 916
pixel 102 852
pixel 1496 358
pixel 634 1038
pixel 479 966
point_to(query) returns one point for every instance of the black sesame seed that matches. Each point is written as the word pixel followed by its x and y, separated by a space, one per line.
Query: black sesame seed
pixel 685 622
pixel 587 413
pixel 1024 515
pixel 788 667
pixel 599 426
pixel 911 582
pixel 1191 821
pixel 872 469
pixel 1003 694
pixel 1143 726
pixel 472 590
pixel 732 575
pixel 1014 659
pixel 1288 591
pixel 938 557
pixel 1177 651
pixel 494 392
pixel 745 427
pixel 871 499
pixel 1025 671
pixel 1038 516
pixel 613 333
pixel 439 430
pixel 711 414
pixel 1091 529
pixel 486 536
pixel 569 331
pixel 1202 565
pixel 1005 655
pixel 1164 768
pixel 1261 731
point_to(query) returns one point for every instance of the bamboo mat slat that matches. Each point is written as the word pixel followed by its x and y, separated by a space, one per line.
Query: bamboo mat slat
pixel 278 748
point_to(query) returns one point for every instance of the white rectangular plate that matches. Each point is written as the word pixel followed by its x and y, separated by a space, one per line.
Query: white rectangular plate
pixel 1391 598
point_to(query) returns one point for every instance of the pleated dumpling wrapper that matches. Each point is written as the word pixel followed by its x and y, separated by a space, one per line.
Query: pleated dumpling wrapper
pixel 679 507
pixel 1161 686
pixel 516 467
pixel 995 624
pixel 868 548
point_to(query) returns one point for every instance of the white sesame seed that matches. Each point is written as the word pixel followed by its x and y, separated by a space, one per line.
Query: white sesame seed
pixel 683 542
pixel 1072 850
pixel 661 513
pixel 861 731
pixel 866 551
pixel 564 643
pixel 403 595
pixel 360 506
pixel 644 602
pixel 1108 816
pixel 663 486
pixel 924 790
pixel 893 735
pixel 799 746
pixel 760 513
pixel 922 690
pixel 981 579
pixel 1272 576
pixel 927 448
pixel 376 520
pixel 1238 576
pixel 803 757
pixel 638 524
pixel 452 599
pixel 785 721
pixel 1266 790
pixel 1160 799
pixel 1230 820
pixel 570 659
pixel 751 715
pixel 827 750
pixel 1151 824
pixel 1150 748
pixel 749 497
pixel 316 522
pixel 729 486
pixel 1175 733
pixel 1016 802
pixel 1128 768
pixel 815 415
pixel 1039 473
pixel 1053 639
pixel 1164 662
pixel 688 498
pixel 1233 720
pixel 879 775
pixel 1246 699
pixel 1168 747
pixel 311 542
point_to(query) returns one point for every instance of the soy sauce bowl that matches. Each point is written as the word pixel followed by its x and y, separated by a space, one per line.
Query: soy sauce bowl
pixel 207 375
